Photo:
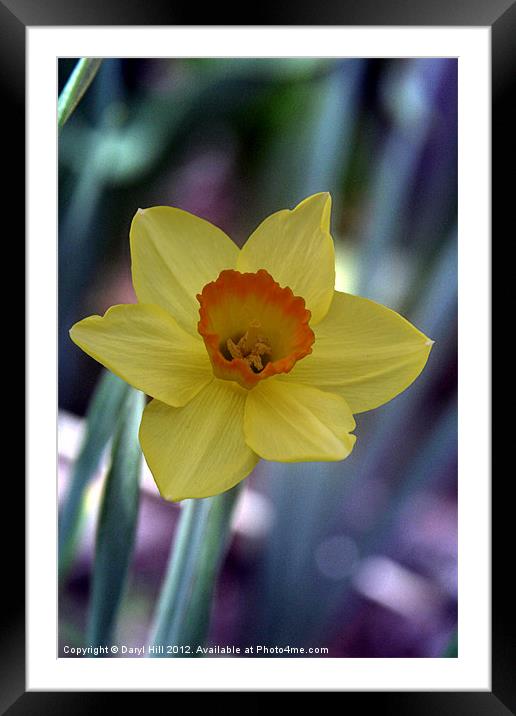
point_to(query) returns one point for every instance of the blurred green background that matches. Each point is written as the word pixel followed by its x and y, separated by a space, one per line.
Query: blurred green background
pixel 360 556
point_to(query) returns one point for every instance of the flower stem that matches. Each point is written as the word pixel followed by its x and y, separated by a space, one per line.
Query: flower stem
pixel 183 612
pixel 78 82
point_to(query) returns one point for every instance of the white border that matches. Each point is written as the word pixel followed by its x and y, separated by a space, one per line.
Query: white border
pixel 471 671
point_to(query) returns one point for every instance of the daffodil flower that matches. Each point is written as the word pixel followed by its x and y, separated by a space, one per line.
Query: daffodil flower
pixel 247 353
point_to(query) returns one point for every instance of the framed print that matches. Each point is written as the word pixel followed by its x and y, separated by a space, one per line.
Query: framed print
pixel 258 262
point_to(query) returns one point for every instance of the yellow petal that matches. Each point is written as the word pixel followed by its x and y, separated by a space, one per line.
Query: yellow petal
pixel 145 346
pixel 289 422
pixel 363 351
pixel 198 450
pixel 296 248
pixel 174 254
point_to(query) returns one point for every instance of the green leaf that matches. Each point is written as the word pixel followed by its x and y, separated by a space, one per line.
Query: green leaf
pixel 101 420
pixel 117 523
pixel 184 608
pixel 78 82
pixel 452 648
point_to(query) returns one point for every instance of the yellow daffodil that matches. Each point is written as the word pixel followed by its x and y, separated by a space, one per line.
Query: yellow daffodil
pixel 247 353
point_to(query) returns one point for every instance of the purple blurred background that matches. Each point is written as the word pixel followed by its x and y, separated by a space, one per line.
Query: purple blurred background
pixel 359 557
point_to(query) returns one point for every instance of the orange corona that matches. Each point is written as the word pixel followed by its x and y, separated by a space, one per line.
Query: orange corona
pixel 252 327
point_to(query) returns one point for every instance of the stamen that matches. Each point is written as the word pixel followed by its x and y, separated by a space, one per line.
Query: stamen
pixel 251 347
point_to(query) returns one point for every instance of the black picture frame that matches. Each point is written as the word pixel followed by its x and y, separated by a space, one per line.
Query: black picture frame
pixel 500 15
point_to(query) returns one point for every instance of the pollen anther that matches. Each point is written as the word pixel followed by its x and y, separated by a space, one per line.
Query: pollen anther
pixel 252 346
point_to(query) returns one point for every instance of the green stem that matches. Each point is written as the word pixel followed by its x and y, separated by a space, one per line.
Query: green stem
pixel 183 614
pixel 116 527
pixel 101 421
pixel 78 82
